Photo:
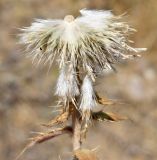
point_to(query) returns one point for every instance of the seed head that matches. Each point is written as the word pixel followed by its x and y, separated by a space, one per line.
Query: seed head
pixel 89 44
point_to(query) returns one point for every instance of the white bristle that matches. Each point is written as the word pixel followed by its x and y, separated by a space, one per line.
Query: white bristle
pixel 95 38
pixel 67 85
pixel 88 99
pixel 62 86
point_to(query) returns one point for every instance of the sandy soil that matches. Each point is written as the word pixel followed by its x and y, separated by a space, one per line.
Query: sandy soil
pixel 26 91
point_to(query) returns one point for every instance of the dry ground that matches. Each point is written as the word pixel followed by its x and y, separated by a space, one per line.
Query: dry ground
pixel 27 91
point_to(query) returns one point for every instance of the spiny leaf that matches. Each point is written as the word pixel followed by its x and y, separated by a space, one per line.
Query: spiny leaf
pixel 106 101
pixel 58 120
pixel 84 154
pixel 102 116
pixel 42 137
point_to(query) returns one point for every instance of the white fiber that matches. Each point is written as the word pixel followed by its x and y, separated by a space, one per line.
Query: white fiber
pixel 67 85
pixel 88 100
pixel 96 38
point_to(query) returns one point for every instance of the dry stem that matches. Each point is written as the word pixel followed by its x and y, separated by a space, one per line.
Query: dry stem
pixel 76 123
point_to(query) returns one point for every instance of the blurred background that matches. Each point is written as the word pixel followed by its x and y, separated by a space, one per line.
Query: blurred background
pixel 26 91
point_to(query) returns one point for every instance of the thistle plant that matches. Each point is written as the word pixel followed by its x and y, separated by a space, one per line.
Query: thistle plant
pixel 83 48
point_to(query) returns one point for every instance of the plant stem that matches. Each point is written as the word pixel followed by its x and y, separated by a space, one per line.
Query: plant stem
pixel 76 122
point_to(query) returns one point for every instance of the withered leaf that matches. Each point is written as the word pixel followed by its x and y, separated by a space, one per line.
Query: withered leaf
pixel 85 154
pixel 58 120
pixel 42 137
pixel 102 116
pixel 105 101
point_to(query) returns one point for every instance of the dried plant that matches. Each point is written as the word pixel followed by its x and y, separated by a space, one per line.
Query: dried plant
pixel 83 48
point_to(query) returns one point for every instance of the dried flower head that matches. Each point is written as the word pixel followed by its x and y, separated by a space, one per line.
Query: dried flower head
pixel 82 47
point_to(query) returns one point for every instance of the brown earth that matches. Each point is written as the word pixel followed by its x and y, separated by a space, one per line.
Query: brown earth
pixel 26 91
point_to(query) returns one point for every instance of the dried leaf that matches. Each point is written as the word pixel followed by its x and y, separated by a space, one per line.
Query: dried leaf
pixel 58 120
pixel 105 101
pixel 84 154
pixel 102 116
pixel 42 137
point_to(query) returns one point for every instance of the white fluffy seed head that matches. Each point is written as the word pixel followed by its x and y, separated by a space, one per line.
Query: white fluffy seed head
pixel 96 38
pixel 92 42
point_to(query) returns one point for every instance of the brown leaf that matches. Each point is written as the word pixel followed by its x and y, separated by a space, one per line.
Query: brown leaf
pixel 105 101
pixel 85 154
pixel 58 120
pixel 102 116
pixel 42 137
